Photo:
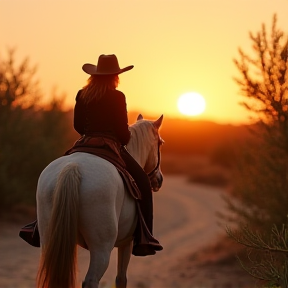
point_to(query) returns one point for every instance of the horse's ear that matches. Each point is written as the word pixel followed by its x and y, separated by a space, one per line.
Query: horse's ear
pixel 140 117
pixel 158 122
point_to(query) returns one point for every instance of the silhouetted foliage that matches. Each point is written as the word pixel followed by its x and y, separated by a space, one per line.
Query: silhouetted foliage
pixel 30 135
pixel 267 255
pixel 261 178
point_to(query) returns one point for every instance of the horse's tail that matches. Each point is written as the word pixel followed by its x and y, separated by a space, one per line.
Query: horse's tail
pixel 58 260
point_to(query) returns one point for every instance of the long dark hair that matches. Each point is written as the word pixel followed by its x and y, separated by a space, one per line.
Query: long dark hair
pixel 97 85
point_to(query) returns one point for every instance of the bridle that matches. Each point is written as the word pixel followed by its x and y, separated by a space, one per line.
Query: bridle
pixel 155 170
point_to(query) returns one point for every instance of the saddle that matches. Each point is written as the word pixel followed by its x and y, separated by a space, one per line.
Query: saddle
pixel 109 149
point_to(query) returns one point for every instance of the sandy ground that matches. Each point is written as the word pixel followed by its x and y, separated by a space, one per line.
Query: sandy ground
pixel 194 255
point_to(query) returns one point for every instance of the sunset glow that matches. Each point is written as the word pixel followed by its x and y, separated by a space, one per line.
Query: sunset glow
pixel 194 52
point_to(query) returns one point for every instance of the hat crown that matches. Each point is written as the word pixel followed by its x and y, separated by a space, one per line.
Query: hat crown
pixel 108 64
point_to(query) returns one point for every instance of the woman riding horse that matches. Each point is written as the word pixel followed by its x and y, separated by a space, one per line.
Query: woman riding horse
pixel 100 115
pixel 83 199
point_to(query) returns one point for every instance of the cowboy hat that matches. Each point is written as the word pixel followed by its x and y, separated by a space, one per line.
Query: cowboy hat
pixel 107 65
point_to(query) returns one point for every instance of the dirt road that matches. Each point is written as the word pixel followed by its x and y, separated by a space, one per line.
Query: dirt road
pixel 185 221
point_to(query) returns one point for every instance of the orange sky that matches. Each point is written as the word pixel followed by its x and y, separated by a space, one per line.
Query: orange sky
pixel 176 46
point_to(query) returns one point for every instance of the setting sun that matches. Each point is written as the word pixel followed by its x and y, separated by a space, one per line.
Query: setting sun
pixel 191 104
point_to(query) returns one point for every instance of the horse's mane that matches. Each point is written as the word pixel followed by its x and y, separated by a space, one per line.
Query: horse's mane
pixel 142 131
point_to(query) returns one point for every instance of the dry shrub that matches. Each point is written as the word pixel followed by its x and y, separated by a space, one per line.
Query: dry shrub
pixel 210 175
pixel 182 164
pixel 197 168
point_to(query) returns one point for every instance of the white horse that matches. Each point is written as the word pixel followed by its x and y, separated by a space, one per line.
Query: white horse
pixel 81 199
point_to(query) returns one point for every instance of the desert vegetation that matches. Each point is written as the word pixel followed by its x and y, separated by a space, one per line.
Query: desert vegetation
pixel 31 133
pixel 260 181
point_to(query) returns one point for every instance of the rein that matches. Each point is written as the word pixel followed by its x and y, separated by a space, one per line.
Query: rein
pixel 155 170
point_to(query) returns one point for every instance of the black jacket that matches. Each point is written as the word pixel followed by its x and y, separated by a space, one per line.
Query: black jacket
pixel 108 115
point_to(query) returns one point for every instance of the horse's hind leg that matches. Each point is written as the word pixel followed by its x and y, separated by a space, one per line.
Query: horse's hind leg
pixel 99 261
pixel 100 239
pixel 124 255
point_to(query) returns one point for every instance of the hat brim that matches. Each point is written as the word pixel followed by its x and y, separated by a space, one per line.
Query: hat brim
pixel 91 69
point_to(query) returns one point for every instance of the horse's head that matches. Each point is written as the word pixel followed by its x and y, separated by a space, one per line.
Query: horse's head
pixel 145 145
